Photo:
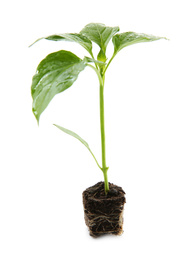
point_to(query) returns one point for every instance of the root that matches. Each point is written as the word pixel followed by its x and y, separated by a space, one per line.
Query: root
pixel 104 224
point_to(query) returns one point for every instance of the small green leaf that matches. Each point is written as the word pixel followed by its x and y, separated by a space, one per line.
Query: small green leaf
pixel 88 60
pixel 100 34
pixel 69 132
pixel 128 38
pixel 57 72
pixel 101 56
pixel 73 37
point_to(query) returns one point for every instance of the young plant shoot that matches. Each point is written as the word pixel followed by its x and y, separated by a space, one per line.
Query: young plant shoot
pixel 59 70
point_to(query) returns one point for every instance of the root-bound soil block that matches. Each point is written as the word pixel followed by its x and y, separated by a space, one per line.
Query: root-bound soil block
pixel 104 213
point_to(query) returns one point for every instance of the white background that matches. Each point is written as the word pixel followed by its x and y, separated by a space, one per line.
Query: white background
pixel 149 132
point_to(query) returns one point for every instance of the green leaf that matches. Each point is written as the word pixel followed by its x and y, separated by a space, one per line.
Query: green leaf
pixel 101 56
pixel 69 132
pixel 128 38
pixel 88 60
pixel 100 34
pixel 57 72
pixel 73 37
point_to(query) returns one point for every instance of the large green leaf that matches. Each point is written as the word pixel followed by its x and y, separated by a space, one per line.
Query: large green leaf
pixel 79 138
pixel 73 37
pixel 100 34
pixel 128 38
pixel 54 74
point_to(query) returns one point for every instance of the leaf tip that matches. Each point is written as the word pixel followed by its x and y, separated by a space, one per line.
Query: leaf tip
pixel 34 42
pixel 163 38
pixel 57 126
pixel 38 121
pixel 37 116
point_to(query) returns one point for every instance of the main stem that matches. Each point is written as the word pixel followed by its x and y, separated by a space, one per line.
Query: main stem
pixel 102 124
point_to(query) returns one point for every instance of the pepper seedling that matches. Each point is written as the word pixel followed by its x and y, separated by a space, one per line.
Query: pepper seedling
pixel 59 70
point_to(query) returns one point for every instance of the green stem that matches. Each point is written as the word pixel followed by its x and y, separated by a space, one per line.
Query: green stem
pixel 102 125
pixel 109 62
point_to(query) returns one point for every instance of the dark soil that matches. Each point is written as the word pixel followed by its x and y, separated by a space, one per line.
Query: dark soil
pixel 104 213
